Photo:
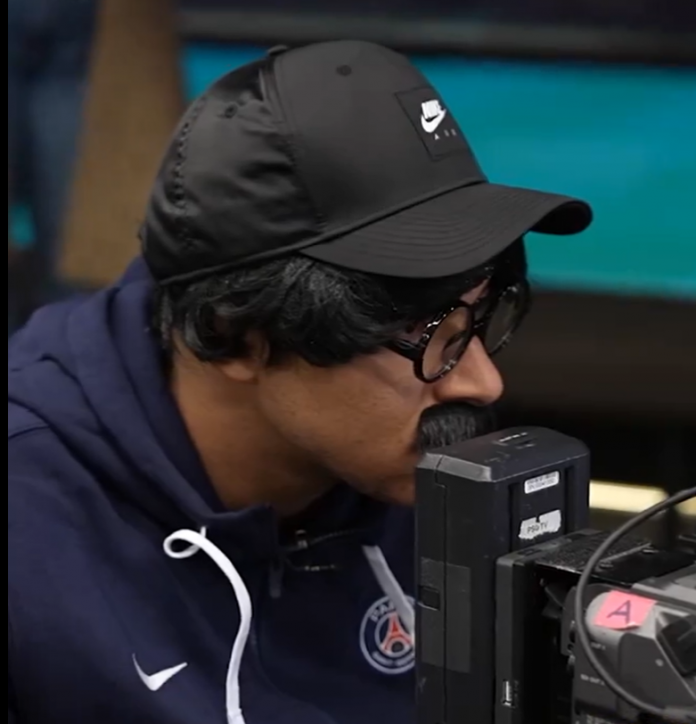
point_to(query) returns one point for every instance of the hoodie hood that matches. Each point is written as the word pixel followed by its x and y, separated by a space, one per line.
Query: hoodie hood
pixel 90 369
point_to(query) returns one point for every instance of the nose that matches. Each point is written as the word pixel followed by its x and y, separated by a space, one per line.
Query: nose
pixel 475 379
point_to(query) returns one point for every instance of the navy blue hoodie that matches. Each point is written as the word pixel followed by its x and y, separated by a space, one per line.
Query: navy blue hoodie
pixel 130 588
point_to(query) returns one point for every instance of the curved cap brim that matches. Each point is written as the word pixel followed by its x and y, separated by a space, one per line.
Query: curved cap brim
pixel 454 232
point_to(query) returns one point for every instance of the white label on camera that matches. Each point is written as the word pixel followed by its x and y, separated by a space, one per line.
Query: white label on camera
pixel 534 485
pixel 541 525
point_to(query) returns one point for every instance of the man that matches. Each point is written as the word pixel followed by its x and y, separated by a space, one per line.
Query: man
pixel 211 462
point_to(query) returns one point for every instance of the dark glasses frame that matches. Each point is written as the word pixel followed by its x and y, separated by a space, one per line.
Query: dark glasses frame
pixel 415 351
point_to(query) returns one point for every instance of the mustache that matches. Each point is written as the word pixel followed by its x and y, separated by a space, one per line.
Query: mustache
pixel 453 422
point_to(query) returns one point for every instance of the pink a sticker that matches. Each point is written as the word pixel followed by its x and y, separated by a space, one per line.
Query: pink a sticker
pixel 621 610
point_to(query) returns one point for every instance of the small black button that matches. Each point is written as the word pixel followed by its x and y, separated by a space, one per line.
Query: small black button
pixel 429 597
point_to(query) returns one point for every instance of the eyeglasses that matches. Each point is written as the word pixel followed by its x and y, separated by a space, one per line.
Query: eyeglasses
pixel 442 343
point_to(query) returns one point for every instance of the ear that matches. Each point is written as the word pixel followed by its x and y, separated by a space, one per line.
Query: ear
pixel 247 369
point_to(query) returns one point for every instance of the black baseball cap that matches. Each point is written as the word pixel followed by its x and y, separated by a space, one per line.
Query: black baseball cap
pixel 343 152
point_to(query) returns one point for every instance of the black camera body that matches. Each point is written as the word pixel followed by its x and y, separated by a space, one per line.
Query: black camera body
pixel 501 542
pixel 641 614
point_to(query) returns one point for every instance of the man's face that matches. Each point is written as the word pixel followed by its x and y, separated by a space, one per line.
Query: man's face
pixel 368 422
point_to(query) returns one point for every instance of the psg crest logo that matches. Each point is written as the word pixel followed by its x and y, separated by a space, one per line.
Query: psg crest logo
pixel 384 641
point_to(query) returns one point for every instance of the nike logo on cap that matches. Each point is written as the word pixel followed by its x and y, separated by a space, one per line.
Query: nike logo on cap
pixel 432 115
pixel 155 682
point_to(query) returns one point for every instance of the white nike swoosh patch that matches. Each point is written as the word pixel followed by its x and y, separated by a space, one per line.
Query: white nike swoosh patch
pixel 155 682
pixel 430 125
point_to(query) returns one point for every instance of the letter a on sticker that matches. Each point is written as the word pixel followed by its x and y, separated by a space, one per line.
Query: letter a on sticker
pixel 621 610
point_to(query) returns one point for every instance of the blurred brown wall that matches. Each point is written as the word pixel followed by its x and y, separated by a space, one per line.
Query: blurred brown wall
pixel 133 103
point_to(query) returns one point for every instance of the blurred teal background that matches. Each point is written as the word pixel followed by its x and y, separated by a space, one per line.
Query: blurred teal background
pixel 621 138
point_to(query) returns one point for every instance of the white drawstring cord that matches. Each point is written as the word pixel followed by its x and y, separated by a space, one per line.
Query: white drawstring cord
pixel 198 542
pixel 390 586
pixel 185 552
